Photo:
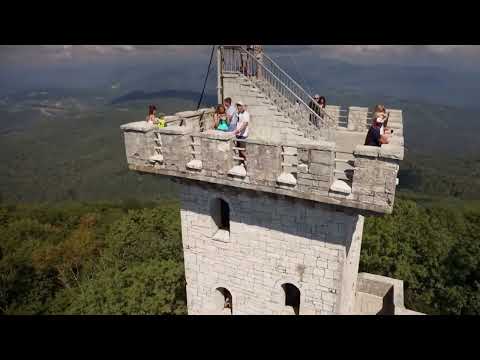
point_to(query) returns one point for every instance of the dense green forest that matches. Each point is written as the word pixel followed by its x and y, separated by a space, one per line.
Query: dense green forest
pixel 91 259
pixel 77 153
pixel 126 258
pixel 115 246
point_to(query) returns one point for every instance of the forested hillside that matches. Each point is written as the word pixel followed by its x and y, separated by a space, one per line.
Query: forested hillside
pixel 91 259
pixel 114 247
pixel 71 148
pixel 126 258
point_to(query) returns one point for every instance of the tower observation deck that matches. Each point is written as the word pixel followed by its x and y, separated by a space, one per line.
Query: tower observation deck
pixel 272 224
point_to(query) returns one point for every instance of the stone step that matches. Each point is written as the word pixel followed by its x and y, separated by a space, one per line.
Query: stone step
pixel 269 114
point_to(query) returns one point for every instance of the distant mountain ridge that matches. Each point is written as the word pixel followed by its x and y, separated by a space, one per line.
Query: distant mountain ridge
pixel 171 93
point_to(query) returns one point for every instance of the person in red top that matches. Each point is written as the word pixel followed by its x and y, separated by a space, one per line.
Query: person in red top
pixel 152 109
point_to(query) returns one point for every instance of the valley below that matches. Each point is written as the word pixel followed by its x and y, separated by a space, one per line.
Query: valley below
pixel 82 234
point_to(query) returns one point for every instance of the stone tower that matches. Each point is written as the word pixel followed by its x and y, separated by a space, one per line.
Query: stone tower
pixel 273 224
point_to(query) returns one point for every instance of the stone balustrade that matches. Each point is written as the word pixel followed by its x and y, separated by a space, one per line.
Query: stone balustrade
pixel 356 118
pixel 186 148
pixel 375 174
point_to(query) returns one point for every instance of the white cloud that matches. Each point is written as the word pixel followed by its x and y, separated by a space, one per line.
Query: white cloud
pixel 440 55
pixel 399 53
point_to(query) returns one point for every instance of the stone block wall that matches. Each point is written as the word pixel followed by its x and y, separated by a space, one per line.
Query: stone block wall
pixel 264 163
pixel 315 169
pixel 139 142
pixel 216 152
pixel 175 147
pixel 375 175
pixel 272 240
pixel 197 120
pixel 380 295
pixel 334 112
pixel 357 118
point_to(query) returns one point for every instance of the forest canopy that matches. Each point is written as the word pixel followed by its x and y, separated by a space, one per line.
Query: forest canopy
pixel 108 258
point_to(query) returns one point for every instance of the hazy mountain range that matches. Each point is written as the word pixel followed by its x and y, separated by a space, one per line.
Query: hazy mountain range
pixel 60 137
pixel 419 83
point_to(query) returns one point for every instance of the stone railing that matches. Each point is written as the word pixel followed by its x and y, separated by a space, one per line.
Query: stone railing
pixel 356 118
pixel 302 169
pixel 380 295
pixel 148 148
pixel 375 174
pixel 215 154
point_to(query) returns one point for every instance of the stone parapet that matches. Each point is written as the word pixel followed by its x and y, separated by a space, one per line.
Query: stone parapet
pixel 357 118
pixel 380 295
pixel 139 142
pixel 375 174
pixel 302 167
pixel 197 120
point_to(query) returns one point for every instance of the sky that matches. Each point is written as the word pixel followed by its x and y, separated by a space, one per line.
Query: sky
pixel 437 73
pixel 465 57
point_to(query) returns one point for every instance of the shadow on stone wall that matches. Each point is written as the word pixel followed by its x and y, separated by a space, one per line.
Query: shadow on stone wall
pixel 300 217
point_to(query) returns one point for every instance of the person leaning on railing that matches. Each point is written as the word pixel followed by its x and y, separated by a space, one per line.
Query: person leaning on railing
pixel 317 105
pixel 153 119
pixel 381 112
pixel 376 136
pixel 323 103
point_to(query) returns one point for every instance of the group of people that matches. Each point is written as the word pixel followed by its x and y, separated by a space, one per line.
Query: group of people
pixel 227 117
pixel 318 105
pixel 232 119
pixel 379 133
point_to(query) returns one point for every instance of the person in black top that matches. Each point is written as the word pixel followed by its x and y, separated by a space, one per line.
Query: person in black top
pixel 373 136
pixel 317 105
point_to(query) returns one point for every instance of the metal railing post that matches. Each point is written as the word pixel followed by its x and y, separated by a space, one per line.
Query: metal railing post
pixel 220 74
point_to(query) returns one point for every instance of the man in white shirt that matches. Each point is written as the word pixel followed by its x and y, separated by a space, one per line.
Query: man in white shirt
pixel 241 132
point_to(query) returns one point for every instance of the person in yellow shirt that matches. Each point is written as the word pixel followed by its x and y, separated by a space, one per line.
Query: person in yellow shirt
pixel 153 119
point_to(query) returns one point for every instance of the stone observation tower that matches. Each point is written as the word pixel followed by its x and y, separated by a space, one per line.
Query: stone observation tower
pixel 279 229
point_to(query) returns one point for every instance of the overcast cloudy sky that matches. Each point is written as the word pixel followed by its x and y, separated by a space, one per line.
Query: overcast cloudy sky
pixel 450 56
pixel 437 73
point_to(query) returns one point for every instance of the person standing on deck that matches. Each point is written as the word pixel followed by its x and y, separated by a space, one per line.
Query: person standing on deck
pixel 232 115
pixel 241 132
pixel 258 52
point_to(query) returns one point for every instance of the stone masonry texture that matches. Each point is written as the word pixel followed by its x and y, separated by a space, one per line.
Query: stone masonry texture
pixel 273 240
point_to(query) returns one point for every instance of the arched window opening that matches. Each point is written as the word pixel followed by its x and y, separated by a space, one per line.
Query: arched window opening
pixel 224 215
pixel 224 301
pixel 292 297
pixel 220 212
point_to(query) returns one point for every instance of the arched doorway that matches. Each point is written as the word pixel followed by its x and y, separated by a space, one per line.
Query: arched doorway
pixel 292 297
pixel 224 301
pixel 220 212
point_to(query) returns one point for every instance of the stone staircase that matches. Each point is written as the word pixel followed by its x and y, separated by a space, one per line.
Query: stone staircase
pixel 297 115
pixel 269 120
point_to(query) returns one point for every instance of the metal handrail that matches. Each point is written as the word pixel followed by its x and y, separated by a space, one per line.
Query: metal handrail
pixel 310 111
pixel 271 73
pixel 302 90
